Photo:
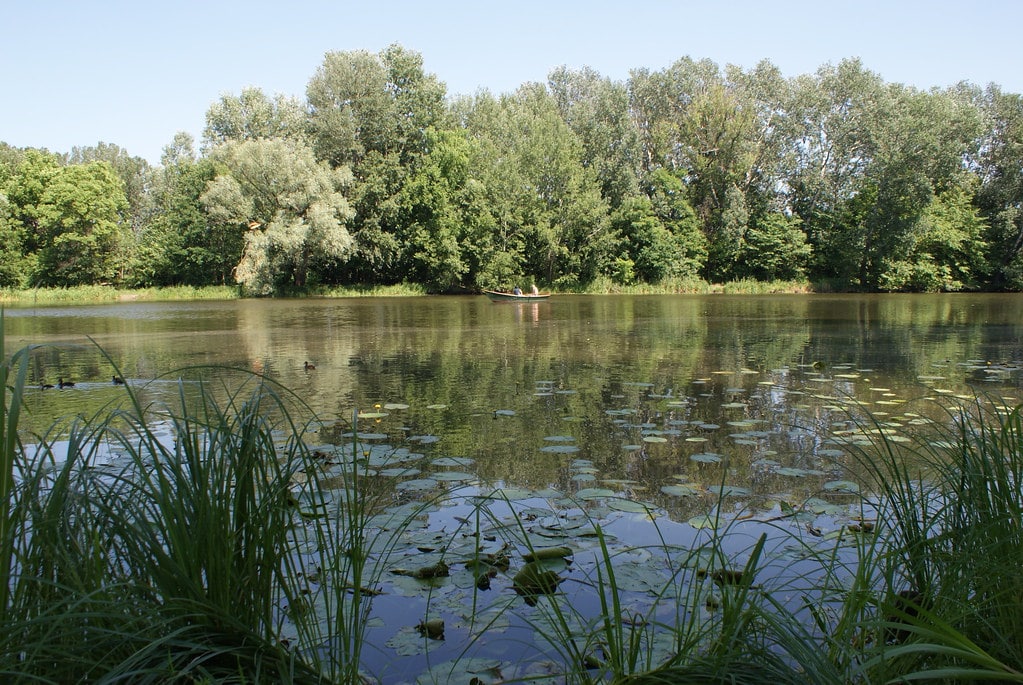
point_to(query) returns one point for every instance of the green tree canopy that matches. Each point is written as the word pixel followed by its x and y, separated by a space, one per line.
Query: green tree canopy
pixel 291 208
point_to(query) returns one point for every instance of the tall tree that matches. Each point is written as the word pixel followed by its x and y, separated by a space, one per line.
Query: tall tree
pixel 1001 194
pixel 829 125
pixel 182 245
pixel 552 222
pixel 291 207
pixel 252 115
pixel 597 111
pixel 371 112
pixel 82 226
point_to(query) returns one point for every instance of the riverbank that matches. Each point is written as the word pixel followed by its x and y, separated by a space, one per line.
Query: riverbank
pixel 103 293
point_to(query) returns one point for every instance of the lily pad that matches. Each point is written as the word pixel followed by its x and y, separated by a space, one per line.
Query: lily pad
pixel 417 485
pixel 395 405
pixel 728 490
pixel 594 493
pixel 464 670
pixel 629 506
pixel 795 472
pixel 453 461
pixel 511 494
pixel 705 458
pixel 453 476
pixel 680 490
pixel 704 521
pixel 372 414
pixel 560 449
pixel 842 486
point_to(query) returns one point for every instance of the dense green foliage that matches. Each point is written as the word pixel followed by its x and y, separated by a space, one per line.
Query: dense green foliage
pixel 691 172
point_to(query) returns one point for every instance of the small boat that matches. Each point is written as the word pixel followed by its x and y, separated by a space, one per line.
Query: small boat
pixel 497 296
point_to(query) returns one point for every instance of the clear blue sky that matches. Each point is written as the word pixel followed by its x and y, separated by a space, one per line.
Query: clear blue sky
pixel 132 73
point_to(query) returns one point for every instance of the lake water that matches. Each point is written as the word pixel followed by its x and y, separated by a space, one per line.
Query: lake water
pixel 668 401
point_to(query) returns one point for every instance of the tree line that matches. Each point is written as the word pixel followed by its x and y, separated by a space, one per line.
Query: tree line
pixel 693 172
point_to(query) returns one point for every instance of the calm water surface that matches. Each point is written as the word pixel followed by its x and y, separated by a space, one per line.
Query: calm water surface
pixel 637 385
pixel 750 396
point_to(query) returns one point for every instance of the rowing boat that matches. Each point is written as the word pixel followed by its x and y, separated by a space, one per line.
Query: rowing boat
pixel 497 296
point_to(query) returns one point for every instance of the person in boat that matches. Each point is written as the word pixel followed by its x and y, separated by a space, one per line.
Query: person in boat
pixel 536 291
pixel 517 290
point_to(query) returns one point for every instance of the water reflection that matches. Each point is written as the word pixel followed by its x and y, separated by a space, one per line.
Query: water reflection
pixel 610 372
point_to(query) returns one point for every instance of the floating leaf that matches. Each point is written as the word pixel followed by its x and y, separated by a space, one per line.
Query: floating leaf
pixel 793 471
pixel 372 414
pixel 654 438
pixel 436 406
pixel 704 521
pixel 841 486
pixel 728 490
pixel 559 438
pixel 545 553
pixel 560 449
pixel 504 412
pixel 680 490
pixel 511 494
pixel 639 577
pixel 418 485
pixel 453 476
pixel 594 493
pixel 630 506
pixel 397 472
pixel 395 405
pixel 463 670
pixel 705 458
pixel 453 461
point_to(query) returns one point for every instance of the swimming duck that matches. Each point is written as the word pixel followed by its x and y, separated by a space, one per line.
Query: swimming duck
pixel 61 383
pixel 45 386
pixel 309 367
pixel 118 380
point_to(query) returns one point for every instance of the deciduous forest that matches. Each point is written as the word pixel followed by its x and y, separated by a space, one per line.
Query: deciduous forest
pixel 687 174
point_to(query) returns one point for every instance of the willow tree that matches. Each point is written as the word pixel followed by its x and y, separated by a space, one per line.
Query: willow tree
pixel 252 115
pixel 291 208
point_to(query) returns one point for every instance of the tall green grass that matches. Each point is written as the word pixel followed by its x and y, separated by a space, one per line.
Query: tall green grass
pixel 88 294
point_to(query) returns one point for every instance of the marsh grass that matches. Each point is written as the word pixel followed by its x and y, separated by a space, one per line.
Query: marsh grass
pixel 950 505
pixel 91 294
pixel 205 541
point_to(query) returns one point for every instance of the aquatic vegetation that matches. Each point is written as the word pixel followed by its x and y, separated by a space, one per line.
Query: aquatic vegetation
pixel 217 537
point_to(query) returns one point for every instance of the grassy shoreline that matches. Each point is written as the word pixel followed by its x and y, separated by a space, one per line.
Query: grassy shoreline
pixel 104 293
